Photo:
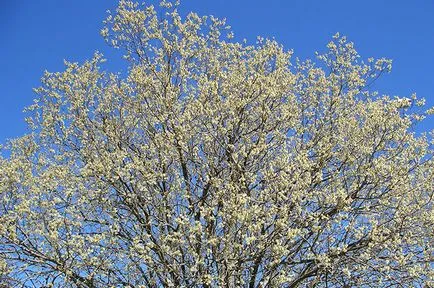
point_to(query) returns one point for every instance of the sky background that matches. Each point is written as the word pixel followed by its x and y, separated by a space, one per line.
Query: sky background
pixel 37 35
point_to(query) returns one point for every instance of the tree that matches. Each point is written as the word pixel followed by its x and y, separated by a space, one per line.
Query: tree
pixel 217 164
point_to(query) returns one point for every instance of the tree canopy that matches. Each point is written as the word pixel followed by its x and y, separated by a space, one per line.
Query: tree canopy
pixel 215 163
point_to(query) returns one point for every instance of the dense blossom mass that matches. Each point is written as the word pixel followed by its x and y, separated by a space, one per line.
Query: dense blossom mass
pixel 215 163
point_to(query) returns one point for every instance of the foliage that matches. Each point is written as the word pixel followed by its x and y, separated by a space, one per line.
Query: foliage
pixel 215 163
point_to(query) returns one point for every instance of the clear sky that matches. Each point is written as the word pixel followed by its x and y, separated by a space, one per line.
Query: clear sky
pixel 36 35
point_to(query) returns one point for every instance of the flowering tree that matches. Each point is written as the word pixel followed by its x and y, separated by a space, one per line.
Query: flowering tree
pixel 217 164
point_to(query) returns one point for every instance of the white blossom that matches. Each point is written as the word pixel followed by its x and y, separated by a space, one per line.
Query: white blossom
pixel 214 163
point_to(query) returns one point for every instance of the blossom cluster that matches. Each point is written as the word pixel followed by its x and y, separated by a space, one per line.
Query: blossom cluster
pixel 214 163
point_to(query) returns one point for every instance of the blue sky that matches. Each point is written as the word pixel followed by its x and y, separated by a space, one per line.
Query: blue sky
pixel 37 35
